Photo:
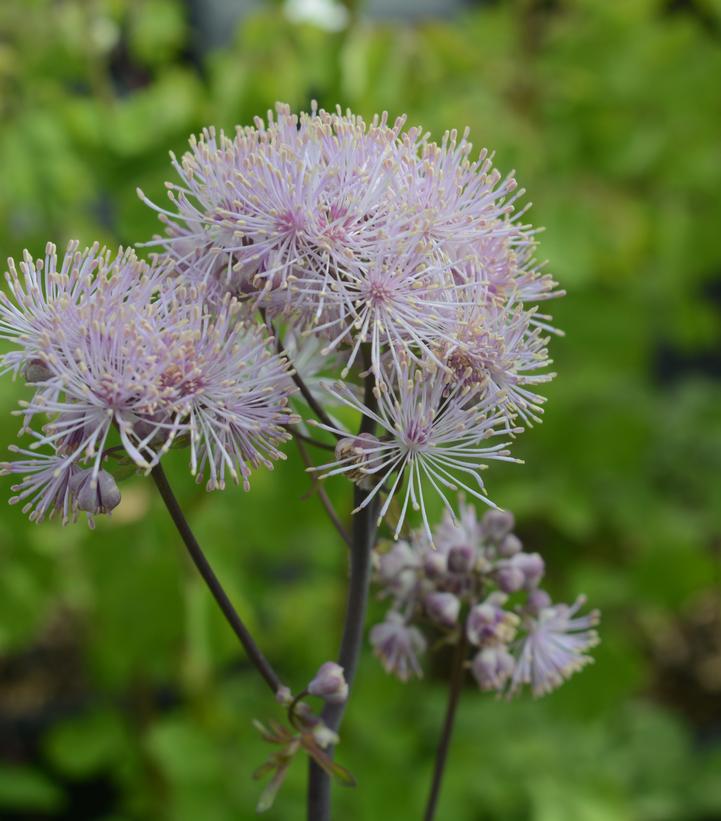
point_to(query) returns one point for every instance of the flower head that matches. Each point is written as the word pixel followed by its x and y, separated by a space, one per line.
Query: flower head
pixel 359 233
pixel 116 350
pixel 431 432
pixel 464 584
pixel 398 645
pixel 555 647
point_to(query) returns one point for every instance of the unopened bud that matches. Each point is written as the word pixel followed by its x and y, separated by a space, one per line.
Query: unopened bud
pixel 510 578
pixel 489 623
pixel 510 545
pixel 435 564
pixel 98 494
pixel 284 696
pixel 538 600
pixel 532 566
pixel 497 523
pixel 461 558
pixel 148 430
pixel 324 736
pixel 492 667
pixel 443 608
pixel 36 371
pixel 329 683
pixel 361 450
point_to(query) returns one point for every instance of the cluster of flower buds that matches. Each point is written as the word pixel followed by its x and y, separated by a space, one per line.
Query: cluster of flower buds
pixel 473 584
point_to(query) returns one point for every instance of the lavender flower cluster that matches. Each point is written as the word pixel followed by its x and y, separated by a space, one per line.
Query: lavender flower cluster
pixel 122 356
pixel 476 586
pixel 371 246
pixel 314 262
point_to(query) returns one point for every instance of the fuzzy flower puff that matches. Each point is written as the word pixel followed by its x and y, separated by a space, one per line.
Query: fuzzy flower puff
pixel 232 392
pixel 458 586
pixel 277 202
pixel 360 232
pixel 430 430
pixel 123 346
pixel 371 234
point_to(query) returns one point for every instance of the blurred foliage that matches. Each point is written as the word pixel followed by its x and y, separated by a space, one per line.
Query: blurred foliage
pixel 122 693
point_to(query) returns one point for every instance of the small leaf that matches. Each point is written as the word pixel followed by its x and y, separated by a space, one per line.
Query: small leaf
pixel 264 769
pixel 267 797
pixel 343 775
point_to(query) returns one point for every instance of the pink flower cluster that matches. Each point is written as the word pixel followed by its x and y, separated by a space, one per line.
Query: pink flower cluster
pixel 477 586
pixel 399 255
pixel 121 356
pixel 364 250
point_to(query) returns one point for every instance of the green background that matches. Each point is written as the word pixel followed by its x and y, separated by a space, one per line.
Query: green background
pixel 122 693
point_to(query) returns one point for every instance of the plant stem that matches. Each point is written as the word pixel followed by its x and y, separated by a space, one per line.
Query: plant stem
pixel 255 654
pixel 454 694
pixel 298 436
pixel 362 541
pixel 363 538
pixel 304 389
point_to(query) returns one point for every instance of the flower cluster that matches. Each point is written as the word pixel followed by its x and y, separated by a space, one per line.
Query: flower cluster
pixel 123 357
pixel 365 250
pixel 401 257
pixel 478 587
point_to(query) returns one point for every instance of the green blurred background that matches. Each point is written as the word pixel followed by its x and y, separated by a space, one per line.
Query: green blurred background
pixel 122 692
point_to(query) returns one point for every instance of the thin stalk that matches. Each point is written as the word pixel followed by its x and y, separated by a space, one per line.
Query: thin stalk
pixel 363 539
pixel 316 443
pixel 304 389
pixel 454 694
pixel 255 654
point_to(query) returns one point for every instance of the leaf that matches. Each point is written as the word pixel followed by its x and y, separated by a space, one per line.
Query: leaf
pixel 267 797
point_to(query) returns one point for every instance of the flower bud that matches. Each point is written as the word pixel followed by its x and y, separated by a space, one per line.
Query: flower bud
pixel 36 371
pixel 397 568
pixel 443 608
pixel 510 545
pixel 497 523
pixel 284 696
pixel 95 495
pixel 509 577
pixel 362 450
pixel 147 429
pixel 492 667
pixel 532 567
pixel 324 736
pixel 461 558
pixel 489 623
pixel 538 600
pixel 435 564
pixel 329 683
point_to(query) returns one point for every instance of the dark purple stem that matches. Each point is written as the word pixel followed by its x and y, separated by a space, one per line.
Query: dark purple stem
pixel 454 695
pixel 255 654
pixel 362 541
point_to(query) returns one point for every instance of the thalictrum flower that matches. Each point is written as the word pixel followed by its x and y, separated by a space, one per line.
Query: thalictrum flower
pixel 398 645
pixel 431 431
pixel 555 647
